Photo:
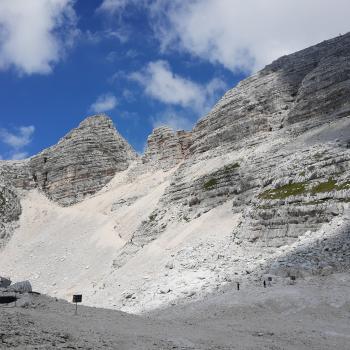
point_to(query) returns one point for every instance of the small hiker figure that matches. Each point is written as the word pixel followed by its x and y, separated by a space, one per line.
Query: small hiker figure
pixel 264 284
pixel 237 285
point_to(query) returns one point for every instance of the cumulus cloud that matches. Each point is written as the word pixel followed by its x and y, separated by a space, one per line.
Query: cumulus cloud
pixel 246 35
pixel 34 34
pixel 104 103
pixel 17 140
pixel 160 83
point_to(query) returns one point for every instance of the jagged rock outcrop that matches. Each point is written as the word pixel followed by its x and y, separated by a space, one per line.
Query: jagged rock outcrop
pixel 166 148
pixel 82 162
pixel 10 210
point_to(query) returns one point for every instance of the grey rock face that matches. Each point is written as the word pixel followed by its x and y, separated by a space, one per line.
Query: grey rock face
pixel 304 88
pixel 82 162
pixel 10 210
pixel 166 148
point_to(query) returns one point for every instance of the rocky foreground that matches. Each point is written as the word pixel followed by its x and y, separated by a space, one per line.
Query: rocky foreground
pixel 311 314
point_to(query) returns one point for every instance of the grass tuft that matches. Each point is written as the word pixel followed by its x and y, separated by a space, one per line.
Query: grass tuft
pixel 230 167
pixel 322 187
pixel 210 184
pixel 292 189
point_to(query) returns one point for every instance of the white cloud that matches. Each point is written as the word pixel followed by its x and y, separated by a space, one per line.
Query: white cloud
pixel 35 33
pixel 246 35
pixel 173 119
pixel 113 6
pixel 17 140
pixel 104 103
pixel 161 83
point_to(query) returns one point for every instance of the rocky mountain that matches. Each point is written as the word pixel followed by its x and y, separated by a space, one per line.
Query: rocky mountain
pixel 80 164
pixel 261 185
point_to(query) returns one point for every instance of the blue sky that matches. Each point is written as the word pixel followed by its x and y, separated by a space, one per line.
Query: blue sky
pixel 145 63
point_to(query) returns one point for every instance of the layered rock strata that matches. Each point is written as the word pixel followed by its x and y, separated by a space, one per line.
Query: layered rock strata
pixel 166 148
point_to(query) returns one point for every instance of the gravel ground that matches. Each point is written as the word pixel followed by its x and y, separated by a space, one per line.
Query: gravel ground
pixel 313 314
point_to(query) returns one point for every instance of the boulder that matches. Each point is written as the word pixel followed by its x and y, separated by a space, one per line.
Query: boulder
pixel 20 287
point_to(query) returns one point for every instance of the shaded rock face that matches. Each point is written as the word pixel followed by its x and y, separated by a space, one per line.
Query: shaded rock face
pixel 305 88
pixel 82 162
pixel 166 148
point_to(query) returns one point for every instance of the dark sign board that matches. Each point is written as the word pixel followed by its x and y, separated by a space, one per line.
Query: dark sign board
pixel 77 298
pixel 293 278
pixel 269 279
pixel 6 299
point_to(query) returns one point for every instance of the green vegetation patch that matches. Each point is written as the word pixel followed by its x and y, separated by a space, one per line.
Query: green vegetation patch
pixel 330 185
pixel 322 187
pixel 299 188
pixel 344 186
pixel 292 189
pixel 210 184
pixel 230 167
